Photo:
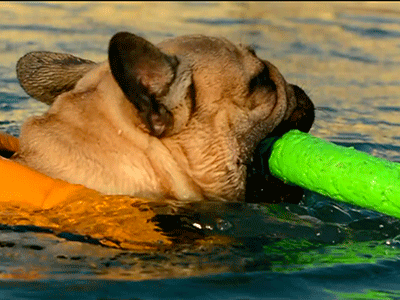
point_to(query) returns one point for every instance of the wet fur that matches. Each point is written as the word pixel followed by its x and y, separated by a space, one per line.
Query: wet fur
pixel 179 120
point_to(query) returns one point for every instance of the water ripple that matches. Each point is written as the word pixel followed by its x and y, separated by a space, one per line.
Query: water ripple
pixel 372 32
pixel 379 20
pixel 359 58
pixel 227 21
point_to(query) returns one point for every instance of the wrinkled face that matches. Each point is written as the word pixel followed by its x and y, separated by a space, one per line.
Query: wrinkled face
pixel 198 77
pixel 254 94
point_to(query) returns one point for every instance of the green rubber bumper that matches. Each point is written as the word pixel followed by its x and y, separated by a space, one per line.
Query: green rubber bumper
pixel 341 173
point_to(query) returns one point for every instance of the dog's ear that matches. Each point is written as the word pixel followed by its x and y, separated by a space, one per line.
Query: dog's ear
pixel 144 74
pixel 45 75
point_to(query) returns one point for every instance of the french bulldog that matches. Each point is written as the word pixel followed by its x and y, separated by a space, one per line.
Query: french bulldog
pixel 180 119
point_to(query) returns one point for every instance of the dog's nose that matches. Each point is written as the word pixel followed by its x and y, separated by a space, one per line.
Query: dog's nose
pixel 303 115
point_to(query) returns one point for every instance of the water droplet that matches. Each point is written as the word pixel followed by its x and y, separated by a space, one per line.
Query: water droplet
pixel 209 227
pixel 197 225
pixel 223 225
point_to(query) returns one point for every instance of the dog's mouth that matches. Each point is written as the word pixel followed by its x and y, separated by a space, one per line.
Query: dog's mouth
pixel 301 118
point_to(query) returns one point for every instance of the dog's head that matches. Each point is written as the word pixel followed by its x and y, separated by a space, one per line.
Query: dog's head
pixel 198 77
pixel 216 99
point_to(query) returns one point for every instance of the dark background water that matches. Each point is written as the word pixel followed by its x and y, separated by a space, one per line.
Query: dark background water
pixel 346 56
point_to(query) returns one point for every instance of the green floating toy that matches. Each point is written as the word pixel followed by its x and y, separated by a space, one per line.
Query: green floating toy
pixel 341 173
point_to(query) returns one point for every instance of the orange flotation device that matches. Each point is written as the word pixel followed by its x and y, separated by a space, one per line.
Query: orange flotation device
pixel 21 184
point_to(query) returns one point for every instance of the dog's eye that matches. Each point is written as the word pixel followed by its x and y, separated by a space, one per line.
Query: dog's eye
pixel 261 80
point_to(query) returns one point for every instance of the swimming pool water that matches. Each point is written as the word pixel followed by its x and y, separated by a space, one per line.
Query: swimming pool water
pixel 346 56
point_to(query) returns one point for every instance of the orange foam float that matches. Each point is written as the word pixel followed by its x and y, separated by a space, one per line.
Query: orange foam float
pixel 52 199
pixel 21 184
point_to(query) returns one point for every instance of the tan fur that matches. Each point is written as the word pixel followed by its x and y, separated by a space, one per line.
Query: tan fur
pixel 92 135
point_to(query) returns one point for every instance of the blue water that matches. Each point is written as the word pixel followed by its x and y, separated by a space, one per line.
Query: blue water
pixel 346 56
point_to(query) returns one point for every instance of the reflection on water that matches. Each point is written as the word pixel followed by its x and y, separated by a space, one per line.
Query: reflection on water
pixel 346 56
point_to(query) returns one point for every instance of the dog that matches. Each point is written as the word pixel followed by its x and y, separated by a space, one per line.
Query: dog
pixel 177 120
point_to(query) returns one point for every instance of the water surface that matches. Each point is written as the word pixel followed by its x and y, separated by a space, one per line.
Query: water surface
pixel 346 56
